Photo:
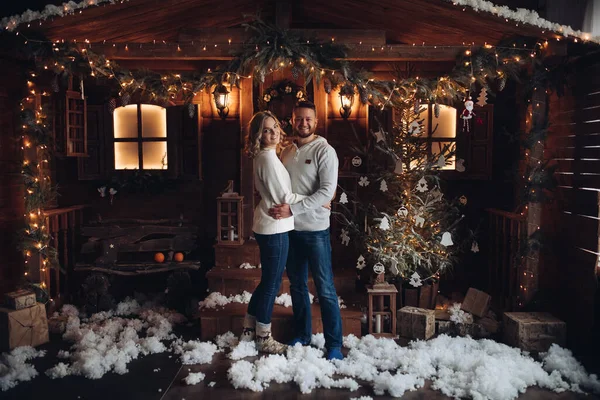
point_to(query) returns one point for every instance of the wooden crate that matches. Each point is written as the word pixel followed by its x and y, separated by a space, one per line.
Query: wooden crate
pixel 234 256
pixel 533 331
pixel 416 323
pixel 476 302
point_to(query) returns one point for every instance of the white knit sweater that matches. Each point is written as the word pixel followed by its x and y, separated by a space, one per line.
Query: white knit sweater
pixel 273 183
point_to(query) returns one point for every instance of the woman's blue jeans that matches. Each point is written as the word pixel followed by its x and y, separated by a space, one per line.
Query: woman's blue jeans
pixel 273 257
pixel 313 250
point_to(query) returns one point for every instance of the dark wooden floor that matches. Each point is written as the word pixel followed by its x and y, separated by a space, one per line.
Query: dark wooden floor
pixel 166 384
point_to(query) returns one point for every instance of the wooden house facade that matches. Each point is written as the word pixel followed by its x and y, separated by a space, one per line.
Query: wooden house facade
pixel 205 150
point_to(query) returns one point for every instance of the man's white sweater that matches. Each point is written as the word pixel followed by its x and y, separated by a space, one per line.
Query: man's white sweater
pixel 313 169
pixel 273 183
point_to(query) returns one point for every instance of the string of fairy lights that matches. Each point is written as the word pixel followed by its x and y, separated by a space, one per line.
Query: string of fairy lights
pixel 476 65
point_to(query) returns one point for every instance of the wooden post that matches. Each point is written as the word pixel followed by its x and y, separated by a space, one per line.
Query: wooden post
pixel 246 164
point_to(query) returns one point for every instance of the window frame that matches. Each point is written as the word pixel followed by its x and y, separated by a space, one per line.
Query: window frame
pixel 140 140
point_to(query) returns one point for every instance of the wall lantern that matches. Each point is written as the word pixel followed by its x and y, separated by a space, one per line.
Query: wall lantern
pixel 346 100
pixel 221 95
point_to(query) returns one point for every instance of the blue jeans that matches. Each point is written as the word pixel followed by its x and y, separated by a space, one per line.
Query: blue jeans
pixel 273 256
pixel 313 250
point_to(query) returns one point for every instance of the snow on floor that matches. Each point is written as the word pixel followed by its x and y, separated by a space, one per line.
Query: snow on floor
pixel 216 299
pixel 457 367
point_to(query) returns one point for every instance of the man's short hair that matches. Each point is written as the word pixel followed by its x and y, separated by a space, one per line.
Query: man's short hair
pixel 305 104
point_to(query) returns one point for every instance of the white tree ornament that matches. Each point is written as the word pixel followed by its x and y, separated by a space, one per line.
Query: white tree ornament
pixel 399 167
pixel 360 263
pixel 475 247
pixel 415 280
pixel 394 266
pixel 419 221
pixel 441 161
pixel 482 99
pixel 422 185
pixel 383 187
pixel 385 224
pixel 363 181
pixel 357 161
pixel 447 239
pixel 402 212
pixel 414 128
pixel 378 268
pixel 344 198
pixel 345 238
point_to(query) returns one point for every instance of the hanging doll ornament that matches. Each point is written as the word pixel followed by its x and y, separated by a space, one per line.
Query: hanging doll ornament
pixel 467 115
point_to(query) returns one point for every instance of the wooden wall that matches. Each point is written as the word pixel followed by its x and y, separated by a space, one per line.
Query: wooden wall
pixel 569 266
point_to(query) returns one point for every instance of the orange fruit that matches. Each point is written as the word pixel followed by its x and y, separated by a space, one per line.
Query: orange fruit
pixel 178 257
pixel 159 257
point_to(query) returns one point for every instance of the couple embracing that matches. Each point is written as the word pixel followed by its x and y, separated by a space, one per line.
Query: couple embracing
pixel 291 227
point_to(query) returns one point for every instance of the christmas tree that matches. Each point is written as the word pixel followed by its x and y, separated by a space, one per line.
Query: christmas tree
pixel 410 227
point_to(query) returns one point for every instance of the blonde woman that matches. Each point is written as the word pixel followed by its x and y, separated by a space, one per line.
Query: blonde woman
pixel 273 183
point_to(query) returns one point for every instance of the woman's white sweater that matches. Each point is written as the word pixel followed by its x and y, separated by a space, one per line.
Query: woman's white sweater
pixel 273 183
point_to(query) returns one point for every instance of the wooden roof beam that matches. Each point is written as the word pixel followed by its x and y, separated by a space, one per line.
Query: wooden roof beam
pixel 170 51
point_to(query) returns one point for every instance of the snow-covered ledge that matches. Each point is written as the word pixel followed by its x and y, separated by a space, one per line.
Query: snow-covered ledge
pixel 525 16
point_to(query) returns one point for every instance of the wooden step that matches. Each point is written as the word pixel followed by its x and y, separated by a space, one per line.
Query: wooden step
pixel 234 280
pixel 215 322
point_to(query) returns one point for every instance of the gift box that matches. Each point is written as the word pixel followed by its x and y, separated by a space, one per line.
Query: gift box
pixel 476 302
pixel 19 299
pixel 25 327
pixel 58 324
pixel 416 323
pixel 533 331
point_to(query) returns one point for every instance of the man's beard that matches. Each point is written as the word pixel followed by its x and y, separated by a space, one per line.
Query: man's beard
pixel 304 134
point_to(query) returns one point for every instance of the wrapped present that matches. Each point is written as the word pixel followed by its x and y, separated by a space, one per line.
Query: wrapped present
pixel 416 323
pixel 58 324
pixel 19 299
pixel 533 331
pixel 476 302
pixel 25 327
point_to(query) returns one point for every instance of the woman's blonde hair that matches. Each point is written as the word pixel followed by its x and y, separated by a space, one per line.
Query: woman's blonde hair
pixel 254 136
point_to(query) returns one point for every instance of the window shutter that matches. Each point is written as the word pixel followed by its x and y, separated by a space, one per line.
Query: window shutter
pixel 476 146
pixel 99 127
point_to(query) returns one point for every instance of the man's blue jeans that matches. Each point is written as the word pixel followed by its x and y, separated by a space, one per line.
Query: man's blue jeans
pixel 273 256
pixel 313 250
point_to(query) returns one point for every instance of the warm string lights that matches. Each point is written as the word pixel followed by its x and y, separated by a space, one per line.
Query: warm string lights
pixel 36 147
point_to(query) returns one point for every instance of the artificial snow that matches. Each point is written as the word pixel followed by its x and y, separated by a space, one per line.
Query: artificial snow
pixel 457 367
pixel 243 350
pixel 107 343
pixel 459 316
pixel 216 299
pixel 194 351
pixel 212 384
pixel 194 378
pixel 14 367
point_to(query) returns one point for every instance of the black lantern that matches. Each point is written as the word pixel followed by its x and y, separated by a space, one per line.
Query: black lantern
pixel 221 96
pixel 346 100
